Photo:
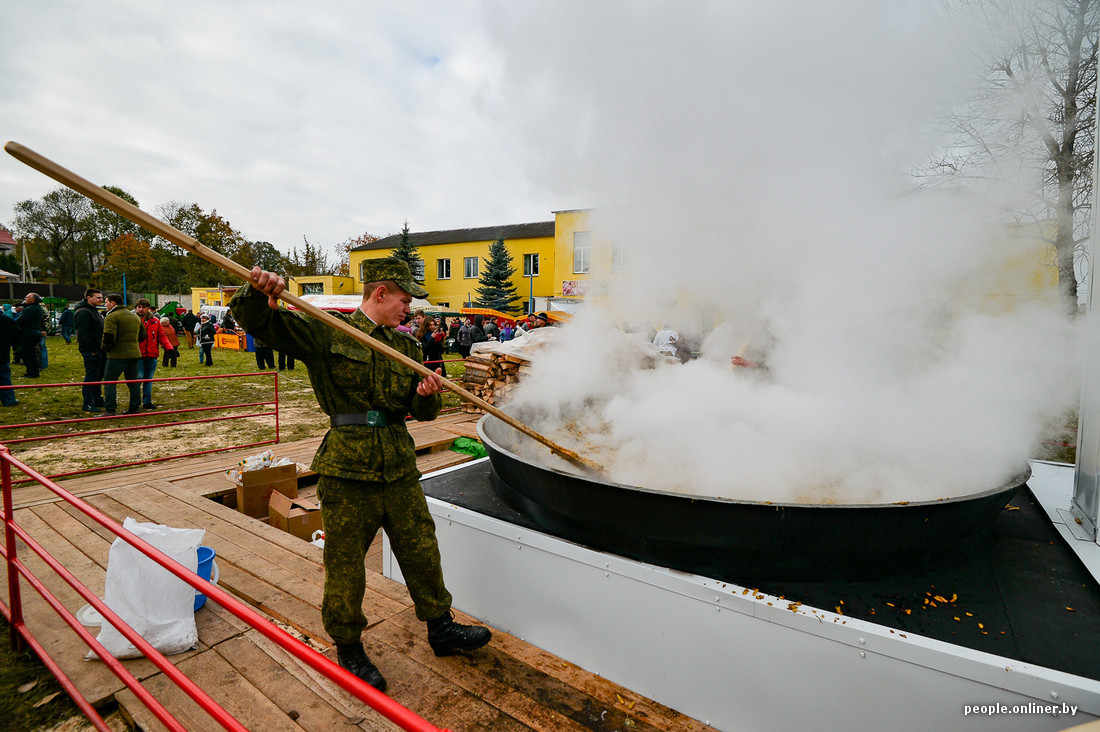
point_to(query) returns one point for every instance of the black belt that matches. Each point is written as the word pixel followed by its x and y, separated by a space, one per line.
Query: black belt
pixel 370 419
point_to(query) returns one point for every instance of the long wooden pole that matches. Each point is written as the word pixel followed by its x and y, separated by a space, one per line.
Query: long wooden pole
pixel 133 213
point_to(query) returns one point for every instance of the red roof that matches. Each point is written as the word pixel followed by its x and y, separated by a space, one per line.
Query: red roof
pixel 6 238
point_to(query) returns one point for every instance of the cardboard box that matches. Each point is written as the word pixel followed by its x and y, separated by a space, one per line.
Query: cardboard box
pixel 296 516
pixel 254 488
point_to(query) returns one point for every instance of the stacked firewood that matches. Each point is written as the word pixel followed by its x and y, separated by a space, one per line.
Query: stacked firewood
pixel 491 376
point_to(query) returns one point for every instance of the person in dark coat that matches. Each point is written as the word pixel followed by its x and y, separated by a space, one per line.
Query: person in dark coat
pixel 190 320
pixel 464 339
pixel 65 323
pixel 31 322
pixel 265 354
pixel 9 334
pixel 492 332
pixel 207 333
pixel 89 341
pixel 477 331
pixel 431 341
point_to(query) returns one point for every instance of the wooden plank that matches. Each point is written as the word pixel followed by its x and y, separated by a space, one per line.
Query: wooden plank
pixel 481 673
pixel 432 439
pixel 440 460
pixel 262 582
pixel 213 624
pixel 93 678
pixel 340 700
pixel 557 684
pixel 60 642
pixel 464 429
pixel 231 542
pixel 424 691
pixel 374 554
pixel 223 683
pixel 298 700
pixel 264 594
pixel 375 583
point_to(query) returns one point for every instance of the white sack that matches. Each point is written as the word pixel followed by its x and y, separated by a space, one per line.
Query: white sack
pixel 151 600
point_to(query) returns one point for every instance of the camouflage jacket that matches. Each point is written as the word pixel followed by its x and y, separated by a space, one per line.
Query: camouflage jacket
pixel 348 377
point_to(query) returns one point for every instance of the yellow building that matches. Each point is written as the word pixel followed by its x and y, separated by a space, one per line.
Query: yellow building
pixel 454 260
pixel 211 296
pixel 571 263
pixel 587 266
pixel 324 285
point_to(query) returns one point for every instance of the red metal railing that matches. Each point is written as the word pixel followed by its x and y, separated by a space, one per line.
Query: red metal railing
pixel 20 633
pixel 100 419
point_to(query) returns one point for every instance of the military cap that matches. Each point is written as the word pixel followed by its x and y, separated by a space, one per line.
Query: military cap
pixel 392 268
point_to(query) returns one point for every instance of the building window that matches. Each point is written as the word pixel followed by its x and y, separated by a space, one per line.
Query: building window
pixel 313 288
pixel 619 259
pixel 469 265
pixel 530 265
pixel 582 252
pixel 443 269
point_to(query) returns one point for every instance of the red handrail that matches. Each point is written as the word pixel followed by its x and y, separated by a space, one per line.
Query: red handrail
pixel 378 701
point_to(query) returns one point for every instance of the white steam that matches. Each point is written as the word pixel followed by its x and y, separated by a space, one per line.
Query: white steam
pixel 753 162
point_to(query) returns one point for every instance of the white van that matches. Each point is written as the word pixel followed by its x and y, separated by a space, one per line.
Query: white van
pixel 214 311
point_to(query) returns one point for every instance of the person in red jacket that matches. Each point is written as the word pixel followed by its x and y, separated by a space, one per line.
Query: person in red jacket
pixel 150 346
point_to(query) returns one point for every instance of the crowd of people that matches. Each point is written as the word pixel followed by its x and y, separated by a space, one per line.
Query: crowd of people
pixel 122 344
pixel 114 343
pixel 439 335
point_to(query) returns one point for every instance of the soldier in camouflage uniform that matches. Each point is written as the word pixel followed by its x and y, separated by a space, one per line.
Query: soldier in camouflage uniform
pixel 366 463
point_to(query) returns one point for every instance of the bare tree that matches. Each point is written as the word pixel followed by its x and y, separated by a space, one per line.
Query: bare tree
pixel 1034 119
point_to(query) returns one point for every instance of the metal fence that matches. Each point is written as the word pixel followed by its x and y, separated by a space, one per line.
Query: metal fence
pixel 120 420
pixel 21 635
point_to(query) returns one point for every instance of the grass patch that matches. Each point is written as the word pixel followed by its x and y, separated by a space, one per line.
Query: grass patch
pixel 25 683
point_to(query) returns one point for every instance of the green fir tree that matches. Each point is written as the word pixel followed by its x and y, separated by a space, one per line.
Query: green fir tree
pixel 495 289
pixel 407 252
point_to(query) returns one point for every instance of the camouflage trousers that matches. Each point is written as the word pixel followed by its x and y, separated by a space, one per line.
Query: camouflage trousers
pixel 352 511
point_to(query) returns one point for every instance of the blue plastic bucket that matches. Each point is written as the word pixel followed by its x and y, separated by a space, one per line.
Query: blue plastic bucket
pixel 206 565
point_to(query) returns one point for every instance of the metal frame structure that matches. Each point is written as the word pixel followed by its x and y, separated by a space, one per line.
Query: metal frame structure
pixel 22 636
pixel 273 403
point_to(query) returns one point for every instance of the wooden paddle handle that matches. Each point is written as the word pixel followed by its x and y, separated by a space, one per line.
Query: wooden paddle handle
pixel 127 210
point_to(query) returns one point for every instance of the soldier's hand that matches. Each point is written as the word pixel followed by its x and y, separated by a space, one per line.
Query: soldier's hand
pixel 269 284
pixel 430 384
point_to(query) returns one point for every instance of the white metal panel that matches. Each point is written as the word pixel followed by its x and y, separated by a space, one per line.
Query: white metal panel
pixel 1053 486
pixel 713 652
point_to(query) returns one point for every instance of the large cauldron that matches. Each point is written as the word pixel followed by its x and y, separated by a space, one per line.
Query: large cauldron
pixel 740 541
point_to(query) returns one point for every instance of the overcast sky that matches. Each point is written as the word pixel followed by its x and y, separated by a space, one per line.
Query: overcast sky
pixel 332 118
pixel 324 119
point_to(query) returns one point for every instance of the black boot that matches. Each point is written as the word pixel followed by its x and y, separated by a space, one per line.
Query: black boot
pixel 447 637
pixel 352 657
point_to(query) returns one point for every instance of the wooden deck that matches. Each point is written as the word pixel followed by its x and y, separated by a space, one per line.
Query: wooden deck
pixel 509 685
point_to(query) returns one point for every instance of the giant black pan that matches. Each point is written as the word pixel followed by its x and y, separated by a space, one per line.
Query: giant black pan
pixel 741 541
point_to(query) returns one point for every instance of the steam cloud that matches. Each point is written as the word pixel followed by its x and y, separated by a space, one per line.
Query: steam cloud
pixel 753 160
